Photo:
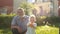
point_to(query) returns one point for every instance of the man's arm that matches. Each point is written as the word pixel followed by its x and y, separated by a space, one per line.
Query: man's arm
pixel 14 24
pixel 16 27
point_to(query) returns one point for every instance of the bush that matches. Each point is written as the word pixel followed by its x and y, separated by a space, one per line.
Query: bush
pixel 51 20
pixel 40 20
pixel 5 20
pixel 27 7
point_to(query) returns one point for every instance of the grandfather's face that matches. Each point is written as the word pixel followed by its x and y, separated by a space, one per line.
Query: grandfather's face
pixel 20 12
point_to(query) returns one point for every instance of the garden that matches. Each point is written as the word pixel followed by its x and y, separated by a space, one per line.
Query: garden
pixel 45 25
pixel 50 27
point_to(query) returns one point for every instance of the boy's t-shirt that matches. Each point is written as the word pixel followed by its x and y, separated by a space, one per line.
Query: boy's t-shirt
pixel 31 30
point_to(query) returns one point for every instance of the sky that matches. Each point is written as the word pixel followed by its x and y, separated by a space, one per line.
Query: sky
pixel 31 1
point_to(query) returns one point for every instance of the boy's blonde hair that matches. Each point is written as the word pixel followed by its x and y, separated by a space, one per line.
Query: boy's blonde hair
pixel 33 17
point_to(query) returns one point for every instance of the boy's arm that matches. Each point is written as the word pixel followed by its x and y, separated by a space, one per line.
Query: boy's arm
pixel 28 24
pixel 34 25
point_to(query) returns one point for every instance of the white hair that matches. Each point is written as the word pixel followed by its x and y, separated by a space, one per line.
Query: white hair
pixel 20 9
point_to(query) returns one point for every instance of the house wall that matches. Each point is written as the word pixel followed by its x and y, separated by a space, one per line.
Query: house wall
pixel 16 4
pixel 8 4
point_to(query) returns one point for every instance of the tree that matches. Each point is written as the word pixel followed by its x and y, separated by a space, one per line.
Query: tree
pixel 27 7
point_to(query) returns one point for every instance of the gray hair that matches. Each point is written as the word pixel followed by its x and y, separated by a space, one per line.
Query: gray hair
pixel 20 9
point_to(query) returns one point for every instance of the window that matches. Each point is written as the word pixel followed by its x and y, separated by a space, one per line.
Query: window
pixel 3 10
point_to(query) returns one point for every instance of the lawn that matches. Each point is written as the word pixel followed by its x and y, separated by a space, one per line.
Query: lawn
pixel 47 30
pixel 39 30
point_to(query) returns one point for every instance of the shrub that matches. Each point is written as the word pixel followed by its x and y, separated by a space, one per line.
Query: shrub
pixel 27 7
pixel 51 20
pixel 40 20
pixel 5 20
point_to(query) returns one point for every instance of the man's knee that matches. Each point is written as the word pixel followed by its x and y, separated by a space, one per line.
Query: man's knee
pixel 15 31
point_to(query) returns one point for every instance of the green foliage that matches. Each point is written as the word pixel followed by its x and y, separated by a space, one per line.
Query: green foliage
pixel 28 7
pixel 5 31
pixel 5 23
pixel 40 20
pixel 51 20
pixel 5 20
pixel 39 30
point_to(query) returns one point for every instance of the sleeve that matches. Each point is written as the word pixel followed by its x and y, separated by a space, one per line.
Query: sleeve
pixel 27 19
pixel 13 21
pixel 35 25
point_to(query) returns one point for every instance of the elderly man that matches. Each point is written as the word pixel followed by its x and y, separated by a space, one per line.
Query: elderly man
pixel 19 22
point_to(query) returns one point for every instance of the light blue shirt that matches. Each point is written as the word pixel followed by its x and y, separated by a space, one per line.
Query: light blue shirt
pixel 31 30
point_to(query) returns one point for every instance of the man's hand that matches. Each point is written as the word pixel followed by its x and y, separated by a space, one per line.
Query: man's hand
pixel 19 29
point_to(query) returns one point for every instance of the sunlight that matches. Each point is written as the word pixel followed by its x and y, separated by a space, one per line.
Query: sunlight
pixel 43 17
pixel 47 30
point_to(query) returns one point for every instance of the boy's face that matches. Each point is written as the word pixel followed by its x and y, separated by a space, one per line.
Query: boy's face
pixel 32 19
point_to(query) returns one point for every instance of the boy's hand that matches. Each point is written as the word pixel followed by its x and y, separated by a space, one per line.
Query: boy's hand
pixel 31 25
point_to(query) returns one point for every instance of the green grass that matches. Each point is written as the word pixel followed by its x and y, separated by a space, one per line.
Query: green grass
pixel 5 31
pixel 39 30
pixel 47 30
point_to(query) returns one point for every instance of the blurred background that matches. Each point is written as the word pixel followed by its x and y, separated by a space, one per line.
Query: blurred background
pixel 47 13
